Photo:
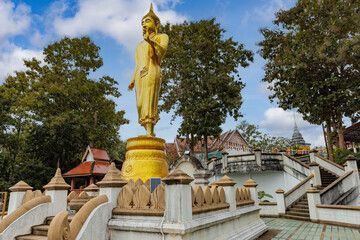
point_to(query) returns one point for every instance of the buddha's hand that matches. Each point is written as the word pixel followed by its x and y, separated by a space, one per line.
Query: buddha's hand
pixel 131 86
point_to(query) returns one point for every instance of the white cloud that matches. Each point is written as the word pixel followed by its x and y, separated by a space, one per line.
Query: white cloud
pixel 119 19
pixel 13 59
pixel 263 88
pixel 267 11
pixel 281 123
pixel 14 20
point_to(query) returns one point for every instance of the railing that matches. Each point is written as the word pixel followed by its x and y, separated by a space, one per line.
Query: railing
pixel 3 200
pixel 330 165
pixel 340 186
pixel 13 216
pixel 296 192
pixel 60 228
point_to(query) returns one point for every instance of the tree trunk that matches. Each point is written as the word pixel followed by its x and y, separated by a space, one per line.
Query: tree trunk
pixel 335 131
pixel 191 145
pixel 329 146
pixel 340 131
pixel 205 148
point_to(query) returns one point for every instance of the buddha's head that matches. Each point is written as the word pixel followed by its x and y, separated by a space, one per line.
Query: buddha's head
pixel 150 22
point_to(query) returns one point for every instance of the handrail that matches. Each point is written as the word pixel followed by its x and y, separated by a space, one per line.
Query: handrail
pixel 298 161
pixel 338 207
pixel 299 185
pixel 336 182
pixel 60 229
pixel 84 212
pixel 22 210
pixel 267 203
pixel 331 162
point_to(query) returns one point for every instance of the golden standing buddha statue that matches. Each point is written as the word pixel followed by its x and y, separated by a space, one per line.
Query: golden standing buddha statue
pixel 147 74
pixel 145 156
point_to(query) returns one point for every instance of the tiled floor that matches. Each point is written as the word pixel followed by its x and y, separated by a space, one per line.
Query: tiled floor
pixel 293 229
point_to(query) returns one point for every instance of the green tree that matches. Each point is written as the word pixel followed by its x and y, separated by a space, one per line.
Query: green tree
pixel 201 83
pixel 56 109
pixel 256 138
pixel 313 61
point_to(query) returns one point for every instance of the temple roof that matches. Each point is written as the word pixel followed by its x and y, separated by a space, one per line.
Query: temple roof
pixel 96 154
pixel 93 168
pixel 352 133
pixel 297 138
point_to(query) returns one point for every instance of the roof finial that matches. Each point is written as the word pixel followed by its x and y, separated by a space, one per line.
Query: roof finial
pixel 294 119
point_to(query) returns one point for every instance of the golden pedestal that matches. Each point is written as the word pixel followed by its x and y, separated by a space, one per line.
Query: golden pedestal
pixel 145 158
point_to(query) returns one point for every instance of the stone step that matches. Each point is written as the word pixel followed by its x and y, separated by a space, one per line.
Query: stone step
pixel 297 217
pixel 299 209
pixel 291 213
pixel 31 237
pixel 41 230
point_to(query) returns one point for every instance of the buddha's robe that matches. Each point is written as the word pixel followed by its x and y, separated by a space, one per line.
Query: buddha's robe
pixel 147 77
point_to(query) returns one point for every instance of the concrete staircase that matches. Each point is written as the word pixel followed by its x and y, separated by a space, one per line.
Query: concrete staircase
pixel 300 209
pixel 326 177
pixel 40 232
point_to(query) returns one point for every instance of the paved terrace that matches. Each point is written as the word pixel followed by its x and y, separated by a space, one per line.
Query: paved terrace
pixel 293 229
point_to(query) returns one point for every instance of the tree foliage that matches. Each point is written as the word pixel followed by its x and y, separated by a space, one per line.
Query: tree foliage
pixel 201 83
pixel 313 62
pixel 255 138
pixel 53 110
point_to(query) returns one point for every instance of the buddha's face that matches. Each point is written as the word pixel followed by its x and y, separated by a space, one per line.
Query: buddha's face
pixel 148 25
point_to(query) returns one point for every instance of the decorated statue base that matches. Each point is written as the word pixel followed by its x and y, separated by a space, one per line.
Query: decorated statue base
pixel 145 158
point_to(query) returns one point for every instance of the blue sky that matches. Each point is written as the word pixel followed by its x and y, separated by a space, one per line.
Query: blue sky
pixel 114 25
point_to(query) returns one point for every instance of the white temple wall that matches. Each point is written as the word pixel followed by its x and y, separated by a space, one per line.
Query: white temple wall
pixel 268 181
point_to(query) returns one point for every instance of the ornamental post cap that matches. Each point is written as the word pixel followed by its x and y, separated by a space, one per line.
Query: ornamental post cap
pixel 226 181
pixel 312 190
pixel 21 186
pixel 112 178
pixel 91 188
pixel 279 190
pixel 57 182
pixel 177 177
pixel 313 164
pixel 351 158
pixel 250 183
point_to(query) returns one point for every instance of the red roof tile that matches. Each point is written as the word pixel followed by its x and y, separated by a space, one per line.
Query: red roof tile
pixel 171 150
pixel 100 154
pixel 89 169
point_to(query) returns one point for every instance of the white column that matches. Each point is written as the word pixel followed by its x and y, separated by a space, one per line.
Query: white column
pixel 17 194
pixel 352 166
pixel 313 196
pixel 312 155
pixel 258 156
pixel 202 177
pixel 57 190
pixel 315 169
pixel 228 185
pixel 178 201
pixel 252 185
pixel 280 201
pixel 111 184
